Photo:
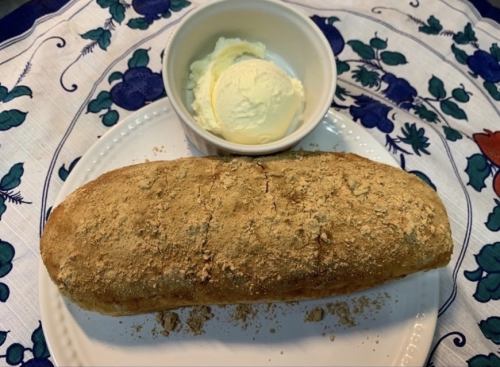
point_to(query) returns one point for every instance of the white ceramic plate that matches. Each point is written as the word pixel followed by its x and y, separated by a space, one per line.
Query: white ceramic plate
pixel 395 328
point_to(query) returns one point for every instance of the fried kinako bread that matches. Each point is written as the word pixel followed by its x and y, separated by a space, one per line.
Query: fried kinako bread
pixel 194 231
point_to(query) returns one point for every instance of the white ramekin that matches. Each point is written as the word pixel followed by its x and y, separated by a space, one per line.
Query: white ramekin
pixel 286 32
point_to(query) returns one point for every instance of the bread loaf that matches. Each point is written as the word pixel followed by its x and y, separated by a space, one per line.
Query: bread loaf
pixel 194 231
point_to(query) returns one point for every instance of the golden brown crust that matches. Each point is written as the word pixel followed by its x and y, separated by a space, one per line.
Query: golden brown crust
pixel 197 231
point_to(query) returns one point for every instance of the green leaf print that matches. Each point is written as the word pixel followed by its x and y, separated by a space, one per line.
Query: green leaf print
pixel 40 349
pixel 493 221
pixel 466 36
pixel 378 43
pixel 138 23
pixel 17 91
pixel 100 35
pixel 491 360
pixel 101 102
pixel 451 134
pixel 177 5
pixel 366 77
pixel 487 275
pixel 363 50
pixel 451 108
pixel 139 58
pixel 116 75
pixel 4 292
pixel 460 95
pixel 478 169
pixel 415 137
pixel 460 55
pixel 11 118
pixel 436 87
pixel 393 58
pixel 7 253
pixel 491 328
pixel 425 114
pixel 12 179
pixel 433 26
pixel 495 51
pixel 110 118
pixel 117 12
pixel 15 354
pixel 342 67
pixel 492 90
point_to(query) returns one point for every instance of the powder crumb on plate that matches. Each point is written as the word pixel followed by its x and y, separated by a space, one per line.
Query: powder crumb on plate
pixel 154 332
pixel 271 311
pixel 243 314
pixel 343 312
pixel 169 321
pixel 270 307
pixel 197 318
pixel 159 149
pixel 137 328
pixel 360 304
pixel 315 315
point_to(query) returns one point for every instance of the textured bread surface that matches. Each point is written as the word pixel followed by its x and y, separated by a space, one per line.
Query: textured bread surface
pixel 194 231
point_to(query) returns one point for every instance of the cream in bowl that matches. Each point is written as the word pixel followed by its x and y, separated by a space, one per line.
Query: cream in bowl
pixel 243 97
pixel 260 76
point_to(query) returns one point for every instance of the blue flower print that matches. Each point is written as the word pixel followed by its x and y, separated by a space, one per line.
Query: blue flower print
pixel 399 91
pixel 331 33
pixel 371 113
pixel 139 86
pixel 485 65
pixel 37 362
pixel 151 9
pixel 131 89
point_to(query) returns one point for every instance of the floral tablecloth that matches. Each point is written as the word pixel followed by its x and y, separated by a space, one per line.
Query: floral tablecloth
pixel 423 77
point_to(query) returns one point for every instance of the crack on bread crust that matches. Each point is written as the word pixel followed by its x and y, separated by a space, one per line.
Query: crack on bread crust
pixel 266 176
pixel 319 258
pixel 210 209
